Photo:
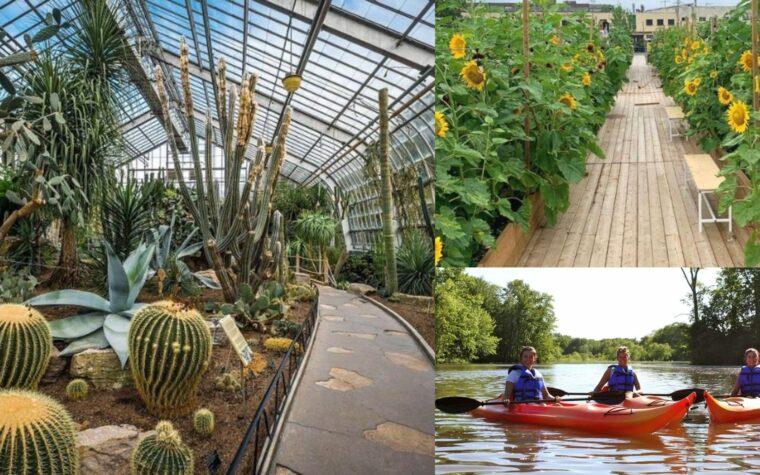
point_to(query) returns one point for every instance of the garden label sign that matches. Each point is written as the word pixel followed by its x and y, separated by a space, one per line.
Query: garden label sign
pixel 237 340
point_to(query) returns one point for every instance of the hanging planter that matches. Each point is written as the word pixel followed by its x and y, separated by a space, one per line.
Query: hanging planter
pixel 291 82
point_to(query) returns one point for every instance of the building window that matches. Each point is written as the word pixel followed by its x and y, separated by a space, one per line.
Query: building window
pixel 649 22
pixel 671 22
pixel 702 18
pixel 660 22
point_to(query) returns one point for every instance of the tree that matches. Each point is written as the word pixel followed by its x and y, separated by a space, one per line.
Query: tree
pixel 463 328
pixel 676 336
pixel 692 281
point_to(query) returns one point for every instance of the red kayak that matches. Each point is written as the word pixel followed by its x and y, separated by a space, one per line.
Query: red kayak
pixel 732 409
pixel 594 417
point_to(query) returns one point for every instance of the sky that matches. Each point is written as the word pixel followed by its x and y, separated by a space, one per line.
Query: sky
pixel 607 303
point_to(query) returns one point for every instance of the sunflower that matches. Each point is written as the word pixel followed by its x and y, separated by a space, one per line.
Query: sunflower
pixel 706 49
pixel 724 96
pixel 473 75
pixel 568 100
pixel 746 61
pixel 690 88
pixel 576 57
pixel 713 74
pixel 679 59
pixel 555 40
pixel 441 126
pixel 697 81
pixel 586 79
pixel 590 47
pixel 567 67
pixel 695 44
pixel 684 53
pixel 738 117
pixel 457 45
pixel 438 249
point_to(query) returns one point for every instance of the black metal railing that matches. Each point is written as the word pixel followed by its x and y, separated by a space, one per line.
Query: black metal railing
pixel 258 437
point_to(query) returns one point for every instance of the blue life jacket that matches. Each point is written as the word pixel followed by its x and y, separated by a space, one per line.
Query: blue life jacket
pixel 620 379
pixel 529 386
pixel 749 381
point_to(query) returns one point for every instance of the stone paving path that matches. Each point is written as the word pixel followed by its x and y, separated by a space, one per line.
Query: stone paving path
pixel 365 402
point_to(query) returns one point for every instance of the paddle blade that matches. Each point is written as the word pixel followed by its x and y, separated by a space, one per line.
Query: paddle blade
pixel 557 392
pixel 609 397
pixel 684 393
pixel 457 404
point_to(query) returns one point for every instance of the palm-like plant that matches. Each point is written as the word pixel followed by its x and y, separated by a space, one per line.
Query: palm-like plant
pixel 126 215
pixel 415 264
pixel 316 230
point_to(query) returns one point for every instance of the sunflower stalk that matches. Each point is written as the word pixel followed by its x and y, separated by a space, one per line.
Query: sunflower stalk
pixel 234 227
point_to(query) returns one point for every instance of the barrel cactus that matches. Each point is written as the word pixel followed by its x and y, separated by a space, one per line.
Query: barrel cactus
pixel 203 422
pixel 162 453
pixel 169 350
pixel 36 435
pixel 25 343
pixel 77 389
pixel 227 382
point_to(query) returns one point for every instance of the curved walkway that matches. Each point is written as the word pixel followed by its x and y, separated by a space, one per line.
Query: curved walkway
pixel 635 208
pixel 364 402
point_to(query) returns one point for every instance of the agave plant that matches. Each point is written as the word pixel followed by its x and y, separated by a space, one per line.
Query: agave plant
pixel 109 323
pixel 168 265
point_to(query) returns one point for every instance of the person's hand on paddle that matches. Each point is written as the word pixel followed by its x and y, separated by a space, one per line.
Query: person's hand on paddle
pixel 506 401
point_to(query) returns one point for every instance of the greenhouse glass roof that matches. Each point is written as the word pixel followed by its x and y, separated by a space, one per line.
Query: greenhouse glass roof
pixel 346 50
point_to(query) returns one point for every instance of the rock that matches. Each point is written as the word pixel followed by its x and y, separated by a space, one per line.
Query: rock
pixel 302 278
pixel 100 367
pixel 56 366
pixel 108 449
pixel 210 274
pixel 217 334
pixel 361 289
pixel 422 300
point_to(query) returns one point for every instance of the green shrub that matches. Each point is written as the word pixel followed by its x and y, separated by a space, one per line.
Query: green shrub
pixel 414 261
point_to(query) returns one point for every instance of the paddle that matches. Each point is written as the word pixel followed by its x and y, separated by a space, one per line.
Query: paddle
pixel 458 404
pixel 675 395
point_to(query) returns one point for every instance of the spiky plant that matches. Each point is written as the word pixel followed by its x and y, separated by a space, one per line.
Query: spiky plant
pixel 415 264
pixel 162 453
pixel 25 343
pixel 77 389
pixel 203 422
pixel 280 344
pixel 227 382
pixel 170 349
pixel 37 435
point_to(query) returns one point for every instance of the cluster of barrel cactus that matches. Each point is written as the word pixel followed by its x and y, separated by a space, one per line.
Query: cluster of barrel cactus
pixel 36 435
pixel 162 453
pixel 279 344
pixel 25 343
pixel 169 350
pixel 227 382
pixel 203 422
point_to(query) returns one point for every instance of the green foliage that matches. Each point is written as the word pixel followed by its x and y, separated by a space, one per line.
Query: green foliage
pixel 77 389
pixel 482 180
pixel 31 250
pixel 415 264
pixel 343 285
pixel 463 328
pixel 286 328
pixel 315 229
pixel 259 309
pixel 203 422
pixel 292 200
pixel 172 340
pixel 227 382
pixel 36 435
pixel 360 268
pixel 109 323
pixel 162 453
pixel 126 214
pixel 300 293
pixel 25 344
pixel 16 286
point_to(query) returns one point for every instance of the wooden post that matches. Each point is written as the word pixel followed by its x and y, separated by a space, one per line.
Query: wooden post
pixel 526 74
pixel 755 97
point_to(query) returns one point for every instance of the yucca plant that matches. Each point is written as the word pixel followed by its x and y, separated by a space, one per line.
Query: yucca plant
pixel 316 230
pixel 126 215
pixel 414 261
pixel 109 323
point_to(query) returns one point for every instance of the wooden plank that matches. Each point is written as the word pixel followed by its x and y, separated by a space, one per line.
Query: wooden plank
pixel 674 112
pixel 704 171
pixel 659 249
pixel 644 238
pixel 615 246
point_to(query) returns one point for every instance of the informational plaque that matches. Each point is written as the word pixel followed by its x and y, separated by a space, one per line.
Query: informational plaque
pixel 237 340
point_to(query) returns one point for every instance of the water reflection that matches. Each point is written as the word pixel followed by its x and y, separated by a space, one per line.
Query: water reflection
pixel 470 445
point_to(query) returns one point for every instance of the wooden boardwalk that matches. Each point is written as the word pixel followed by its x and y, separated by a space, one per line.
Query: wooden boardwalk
pixel 636 208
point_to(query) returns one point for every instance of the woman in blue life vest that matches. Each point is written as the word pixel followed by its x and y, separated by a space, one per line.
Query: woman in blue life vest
pixel 525 383
pixel 748 379
pixel 620 376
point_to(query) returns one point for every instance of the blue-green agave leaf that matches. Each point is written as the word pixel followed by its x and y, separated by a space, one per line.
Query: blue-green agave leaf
pixel 96 339
pixel 132 311
pixel 78 298
pixel 118 284
pixel 137 265
pixel 116 329
pixel 77 326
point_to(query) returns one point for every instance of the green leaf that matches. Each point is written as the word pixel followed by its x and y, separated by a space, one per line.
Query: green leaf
pixel 14 197
pixel 77 326
pixel 95 339
pixel 55 102
pixel 246 293
pixel 572 167
pixel 7 84
pixel 752 251
pixel 477 193
pixel 78 298
pixel 118 283
pixel 136 267
pixel 116 329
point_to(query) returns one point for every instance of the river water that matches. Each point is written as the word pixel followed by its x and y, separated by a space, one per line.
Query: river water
pixel 465 444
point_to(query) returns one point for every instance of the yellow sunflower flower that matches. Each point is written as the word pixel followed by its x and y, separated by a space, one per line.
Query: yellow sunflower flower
pixel 457 45
pixel 441 126
pixel 576 57
pixel 691 60
pixel 679 59
pixel 724 96
pixel 684 53
pixel 568 100
pixel 567 67
pixel 438 249
pixel 695 44
pixel 713 74
pixel 706 49
pixel 690 88
pixel 697 81
pixel 746 61
pixel 738 117
pixel 586 79
pixel 555 40
pixel 473 75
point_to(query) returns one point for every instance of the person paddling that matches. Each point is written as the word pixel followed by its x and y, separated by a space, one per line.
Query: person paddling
pixel 748 379
pixel 525 383
pixel 620 376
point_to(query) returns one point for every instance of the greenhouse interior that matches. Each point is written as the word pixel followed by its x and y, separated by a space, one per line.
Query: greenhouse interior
pixel 217 239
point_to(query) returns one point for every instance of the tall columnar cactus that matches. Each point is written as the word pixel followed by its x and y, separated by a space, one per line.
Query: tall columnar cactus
pixel 169 350
pixel 234 224
pixel 25 343
pixel 389 236
pixel 162 453
pixel 36 435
